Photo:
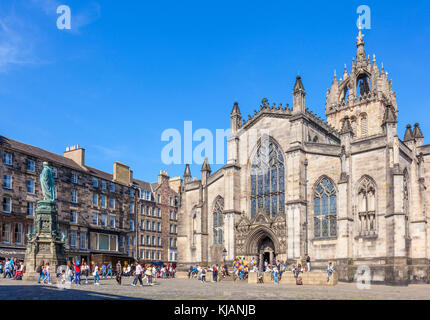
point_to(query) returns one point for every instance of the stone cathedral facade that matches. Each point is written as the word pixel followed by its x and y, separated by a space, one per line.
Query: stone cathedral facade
pixel 347 190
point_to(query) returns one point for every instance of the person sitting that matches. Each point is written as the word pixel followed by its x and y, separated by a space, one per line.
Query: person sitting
pixel 260 276
pixel 19 272
pixel 297 270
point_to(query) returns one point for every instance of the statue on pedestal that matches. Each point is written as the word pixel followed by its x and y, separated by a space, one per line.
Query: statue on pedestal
pixel 45 243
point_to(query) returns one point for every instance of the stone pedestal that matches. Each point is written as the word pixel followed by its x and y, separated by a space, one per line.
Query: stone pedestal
pixel 45 243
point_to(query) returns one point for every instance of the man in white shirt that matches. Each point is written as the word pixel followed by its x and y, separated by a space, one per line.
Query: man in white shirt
pixel 138 275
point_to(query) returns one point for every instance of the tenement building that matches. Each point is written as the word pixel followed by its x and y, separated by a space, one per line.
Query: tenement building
pixel 98 211
pixel 347 190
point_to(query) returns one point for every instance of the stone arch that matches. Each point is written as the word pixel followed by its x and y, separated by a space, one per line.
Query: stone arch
pixel 321 178
pixel 255 238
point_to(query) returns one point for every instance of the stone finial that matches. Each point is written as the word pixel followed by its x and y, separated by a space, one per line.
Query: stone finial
pixel 408 134
pixel 235 110
pixel 298 86
pixel 417 134
pixel 264 101
pixel 206 166
pixel 187 172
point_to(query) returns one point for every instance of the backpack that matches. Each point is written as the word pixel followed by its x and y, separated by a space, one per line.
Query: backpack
pixel 39 269
pixel 299 281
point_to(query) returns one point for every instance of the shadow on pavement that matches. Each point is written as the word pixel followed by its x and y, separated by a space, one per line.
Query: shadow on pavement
pixel 43 292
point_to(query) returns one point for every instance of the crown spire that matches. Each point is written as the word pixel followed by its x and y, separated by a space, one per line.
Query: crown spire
pixel 361 54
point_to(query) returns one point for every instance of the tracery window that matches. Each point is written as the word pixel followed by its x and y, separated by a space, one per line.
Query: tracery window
pixel 325 210
pixel 218 220
pixel 406 201
pixel 366 207
pixel 267 179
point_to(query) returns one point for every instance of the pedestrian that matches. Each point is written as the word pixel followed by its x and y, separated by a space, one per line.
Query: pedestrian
pixel 77 269
pixel 203 275
pixel 39 270
pixel 329 271
pixel 148 274
pixel 47 274
pixel 109 271
pixel 308 263
pixel 103 270
pixel 138 275
pixel 96 275
pixel 276 275
pixel 84 269
pixel 118 272
pixel 214 273
pixel 8 270
pixel 69 272
pixel 190 271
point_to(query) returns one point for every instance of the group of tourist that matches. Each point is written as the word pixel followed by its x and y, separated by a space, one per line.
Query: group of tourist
pixel 200 272
pixel 74 271
pixel 12 269
pixel 242 267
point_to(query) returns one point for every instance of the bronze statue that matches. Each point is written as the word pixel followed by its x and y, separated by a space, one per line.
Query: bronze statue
pixel 47 183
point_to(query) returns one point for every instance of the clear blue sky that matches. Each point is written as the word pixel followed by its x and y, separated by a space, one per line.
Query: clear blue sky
pixel 130 69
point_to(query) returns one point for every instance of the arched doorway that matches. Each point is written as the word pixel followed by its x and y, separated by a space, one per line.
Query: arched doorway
pixel 267 250
pixel 262 244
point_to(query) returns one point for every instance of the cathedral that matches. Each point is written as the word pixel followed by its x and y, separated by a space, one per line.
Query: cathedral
pixel 347 189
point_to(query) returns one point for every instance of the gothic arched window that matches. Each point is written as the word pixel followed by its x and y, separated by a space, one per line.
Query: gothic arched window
pixel 325 210
pixel 366 207
pixel 218 221
pixel 406 201
pixel 267 178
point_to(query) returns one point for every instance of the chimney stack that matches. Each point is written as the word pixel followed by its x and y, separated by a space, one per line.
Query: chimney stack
pixel 76 154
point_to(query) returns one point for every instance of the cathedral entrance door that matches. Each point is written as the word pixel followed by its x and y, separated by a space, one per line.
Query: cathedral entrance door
pixel 267 250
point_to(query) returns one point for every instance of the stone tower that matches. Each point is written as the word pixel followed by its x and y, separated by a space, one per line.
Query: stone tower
pixel 361 95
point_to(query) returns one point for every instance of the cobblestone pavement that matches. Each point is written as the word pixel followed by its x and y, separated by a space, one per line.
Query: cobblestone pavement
pixel 183 289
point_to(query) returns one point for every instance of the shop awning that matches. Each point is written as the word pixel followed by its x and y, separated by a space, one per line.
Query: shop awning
pixel 12 252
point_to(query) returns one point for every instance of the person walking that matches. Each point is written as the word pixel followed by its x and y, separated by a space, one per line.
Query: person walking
pixel 203 275
pixel 118 272
pixel 103 271
pixel 148 273
pixel 84 270
pixel 214 273
pixel 39 270
pixel 77 269
pixel 138 275
pixel 96 275
pixel 47 274
pixel 109 271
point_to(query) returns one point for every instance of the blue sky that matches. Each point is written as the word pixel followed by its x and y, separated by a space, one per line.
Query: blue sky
pixel 128 70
